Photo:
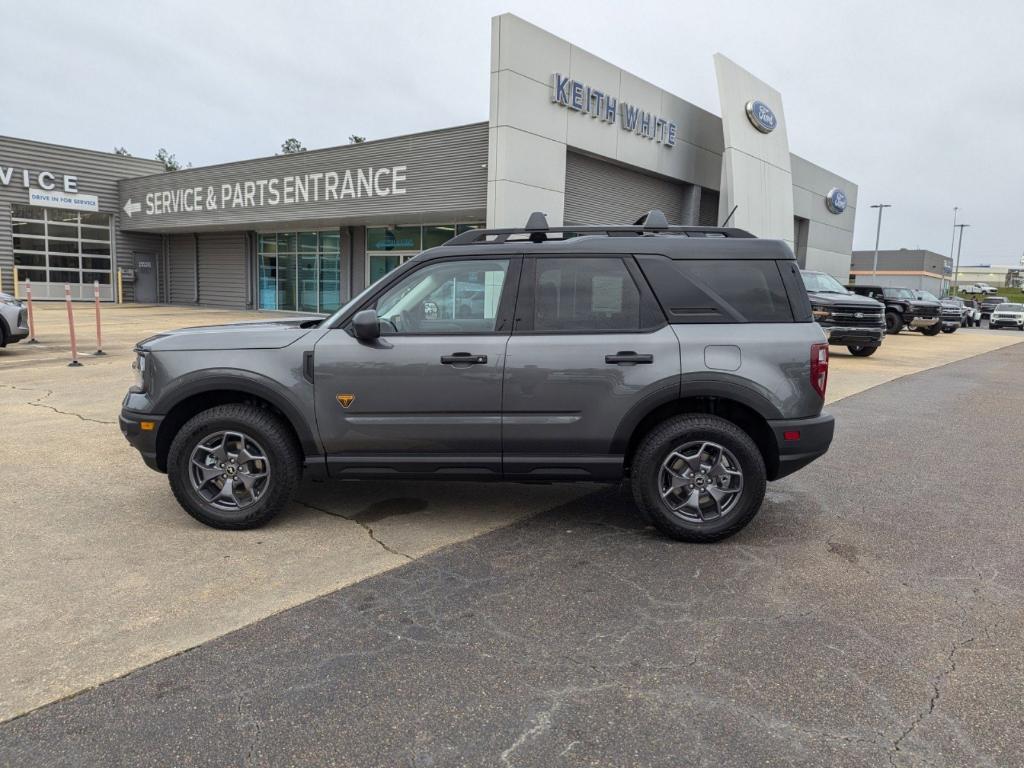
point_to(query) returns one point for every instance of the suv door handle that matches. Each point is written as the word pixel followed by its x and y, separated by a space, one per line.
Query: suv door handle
pixel 628 358
pixel 463 358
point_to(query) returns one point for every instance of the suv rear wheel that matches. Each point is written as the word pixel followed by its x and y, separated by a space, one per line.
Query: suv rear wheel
pixel 698 478
pixel 893 322
pixel 862 351
pixel 234 466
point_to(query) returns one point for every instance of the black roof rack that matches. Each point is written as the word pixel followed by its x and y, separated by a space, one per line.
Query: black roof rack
pixel 537 230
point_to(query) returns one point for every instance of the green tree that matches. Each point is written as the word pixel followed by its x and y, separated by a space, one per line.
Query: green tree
pixel 170 161
pixel 292 146
pixel 122 152
pixel 353 139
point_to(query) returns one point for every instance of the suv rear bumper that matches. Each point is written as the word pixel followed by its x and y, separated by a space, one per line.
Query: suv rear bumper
pixel 143 440
pixel 854 337
pixel 813 438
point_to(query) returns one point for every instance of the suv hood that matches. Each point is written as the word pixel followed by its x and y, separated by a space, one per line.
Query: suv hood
pixel 848 299
pixel 264 334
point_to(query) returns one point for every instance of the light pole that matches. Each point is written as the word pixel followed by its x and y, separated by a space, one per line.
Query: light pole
pixel 956 269
pixel 878 235
pixel 952 242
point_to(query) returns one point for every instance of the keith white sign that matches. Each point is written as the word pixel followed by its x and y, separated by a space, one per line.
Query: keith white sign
pixel 323 186
pixel 72 201
pixel 577 95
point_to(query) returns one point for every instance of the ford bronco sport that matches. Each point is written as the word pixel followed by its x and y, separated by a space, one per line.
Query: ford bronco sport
pixel 685 359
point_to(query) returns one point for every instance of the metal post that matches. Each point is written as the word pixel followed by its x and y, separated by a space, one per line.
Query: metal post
pixel 878 235
pixel 31 317
pixel 120 286
pixel 71 327
pixel 15 268
pixel 956 269
pixel 99 333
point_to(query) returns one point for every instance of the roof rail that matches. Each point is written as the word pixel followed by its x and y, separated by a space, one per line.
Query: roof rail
pixel 653 222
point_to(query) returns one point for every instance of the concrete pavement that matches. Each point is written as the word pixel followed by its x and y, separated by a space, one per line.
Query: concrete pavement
pixel 101 572
pixel 870 615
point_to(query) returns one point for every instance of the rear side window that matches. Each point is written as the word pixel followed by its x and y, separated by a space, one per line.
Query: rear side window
pixel 719 291
pixel 584 294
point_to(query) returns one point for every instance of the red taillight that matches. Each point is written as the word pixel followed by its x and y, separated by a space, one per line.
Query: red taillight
pixel 819 368
pixel 791 437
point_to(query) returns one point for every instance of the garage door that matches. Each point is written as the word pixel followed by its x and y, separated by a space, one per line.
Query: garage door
pixel 222 275
pixel 601 193
pixel 181 269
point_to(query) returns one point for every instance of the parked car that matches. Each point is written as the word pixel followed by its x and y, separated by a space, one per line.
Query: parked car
pixel 568 370
pixel 13 320
pixel 950 317
pixel 986 288
pixel 989 303
pixel 855 322
pixel 972 288
pixel 1008 316
pixel 970 314
pixel 903 309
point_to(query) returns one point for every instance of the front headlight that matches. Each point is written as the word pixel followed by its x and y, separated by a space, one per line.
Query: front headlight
pixel 139 368
pixel 820 312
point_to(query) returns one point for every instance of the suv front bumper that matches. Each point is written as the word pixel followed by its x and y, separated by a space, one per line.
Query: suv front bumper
pixel 800 441
pixel 854 337
pixel 142 437
pixel 923 322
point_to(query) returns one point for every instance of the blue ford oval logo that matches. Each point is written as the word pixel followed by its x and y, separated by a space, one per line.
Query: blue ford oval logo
pixel 835 200
pixel 761 116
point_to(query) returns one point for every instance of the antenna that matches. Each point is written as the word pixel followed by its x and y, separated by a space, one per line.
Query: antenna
pixel 730 214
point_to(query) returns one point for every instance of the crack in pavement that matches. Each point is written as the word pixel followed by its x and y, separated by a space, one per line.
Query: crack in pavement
pixel 48 393
pixel 933 701
pixel 364 526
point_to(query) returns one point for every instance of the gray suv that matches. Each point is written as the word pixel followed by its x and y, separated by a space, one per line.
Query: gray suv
pixel 685 359
pixel 13 320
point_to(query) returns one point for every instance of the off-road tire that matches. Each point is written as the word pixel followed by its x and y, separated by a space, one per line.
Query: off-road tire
pixel 283 455
pixel 862 351
pixel 949 330
pixel 665 438
pixel 933 330
pixel 893 322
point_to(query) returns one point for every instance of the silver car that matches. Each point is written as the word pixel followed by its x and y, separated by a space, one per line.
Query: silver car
pixel 13 320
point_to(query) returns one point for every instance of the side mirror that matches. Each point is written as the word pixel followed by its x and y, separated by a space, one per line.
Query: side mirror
pixel 366 325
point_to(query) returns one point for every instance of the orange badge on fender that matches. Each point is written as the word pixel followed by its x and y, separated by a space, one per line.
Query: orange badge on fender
pixel 346 400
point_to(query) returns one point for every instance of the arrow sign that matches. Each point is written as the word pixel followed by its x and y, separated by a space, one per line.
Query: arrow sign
pixel 130 207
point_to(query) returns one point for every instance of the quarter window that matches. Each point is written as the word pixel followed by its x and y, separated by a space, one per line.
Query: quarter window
pixel 585 294
pixel 448 297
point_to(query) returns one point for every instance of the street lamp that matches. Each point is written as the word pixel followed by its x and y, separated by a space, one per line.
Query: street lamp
pixel 878 235
pixel 956 269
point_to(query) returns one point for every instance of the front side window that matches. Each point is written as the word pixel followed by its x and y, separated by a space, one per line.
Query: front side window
pixel 575 295
pixel 447 297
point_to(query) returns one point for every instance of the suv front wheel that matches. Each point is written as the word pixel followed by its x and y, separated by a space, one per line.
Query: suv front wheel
pixel 698 478
pixel 234 466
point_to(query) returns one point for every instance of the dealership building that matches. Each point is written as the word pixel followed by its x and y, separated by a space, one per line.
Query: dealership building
pixel 916 268
pixel 568 134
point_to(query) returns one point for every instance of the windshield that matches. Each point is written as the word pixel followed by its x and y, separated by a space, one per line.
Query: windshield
pixel 899 293
pixel 1010 308
pixel 819 282
pixel 927 296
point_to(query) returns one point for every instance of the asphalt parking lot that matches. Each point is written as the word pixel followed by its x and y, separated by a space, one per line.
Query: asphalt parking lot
pixel 103 574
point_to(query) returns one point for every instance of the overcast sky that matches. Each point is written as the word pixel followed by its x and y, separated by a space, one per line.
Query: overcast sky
pixel 921 104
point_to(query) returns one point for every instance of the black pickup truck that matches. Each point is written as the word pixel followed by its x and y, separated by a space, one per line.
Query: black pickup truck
pixel 848 320
pixel 903 309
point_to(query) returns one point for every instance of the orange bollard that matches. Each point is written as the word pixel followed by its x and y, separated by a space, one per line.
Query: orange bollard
pixel 71 326
pixel 31 319
pixel 99 335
